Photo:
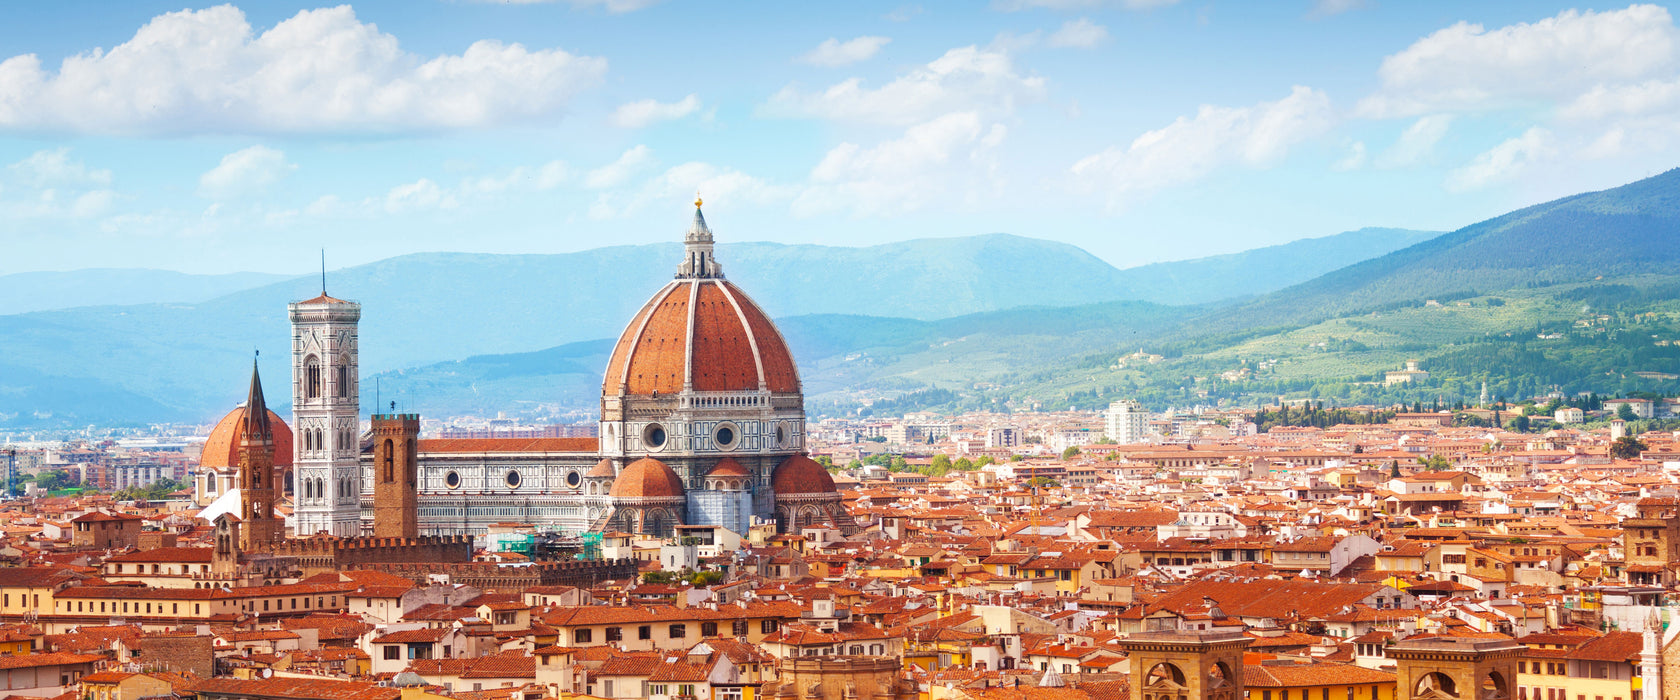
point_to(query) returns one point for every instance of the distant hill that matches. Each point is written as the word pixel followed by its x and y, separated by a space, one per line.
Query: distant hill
pixel 1262 270
pixel 188 359
pixel 1629 230
pixel 24 292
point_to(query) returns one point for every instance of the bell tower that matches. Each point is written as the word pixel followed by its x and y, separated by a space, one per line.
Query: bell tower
pixel 257 490
pixel 1190 665
pixel 326 413
pixel 1449 668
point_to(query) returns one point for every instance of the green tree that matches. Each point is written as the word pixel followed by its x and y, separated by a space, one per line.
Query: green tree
pixel 1393 469
pixel 1071 452
pixel 985 460
pixel 825 460
pixel 703 579
pixel 1017 458
pixel 659 577
pixel 854 464
pixel 963 464
pixel 1625 412
pixel 1434 463
pixel 941 464
pixel 1626 447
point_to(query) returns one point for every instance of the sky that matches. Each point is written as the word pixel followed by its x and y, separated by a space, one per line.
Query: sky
pixel 250 137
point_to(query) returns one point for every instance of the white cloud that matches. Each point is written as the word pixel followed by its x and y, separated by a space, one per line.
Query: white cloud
pixel 1191 148
pixel 619 171
pixel 1354 160
pixel 964 79
pixel 1016 5
pixel 723 188
pixel 613 6
pixel 834 52
pixel 635 115
pixel 322 70
pixel 244 172
pixel 905 173
pixel 1416 143
pixel 1466 67
pixel 420 195
pixel 54 168
pixel 1327 8
pixel 1079 34
pixel 1504 161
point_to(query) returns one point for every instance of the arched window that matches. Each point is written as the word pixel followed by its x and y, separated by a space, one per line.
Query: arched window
pixel 311 377
pixel 389 454
pixel 341 378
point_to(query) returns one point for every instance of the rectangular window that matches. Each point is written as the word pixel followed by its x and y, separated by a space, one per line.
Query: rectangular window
pixel 393 652
pixel 708 629
pixel 644 632
pixel 1265 695
pixel 615 634
pixel 1522 667
pixel 679 631
pixel 739 628
pixel 607 688
pixel 767 626
pixel 583 636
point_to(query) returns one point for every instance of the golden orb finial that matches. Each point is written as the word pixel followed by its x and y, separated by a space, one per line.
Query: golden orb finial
pixel 696 200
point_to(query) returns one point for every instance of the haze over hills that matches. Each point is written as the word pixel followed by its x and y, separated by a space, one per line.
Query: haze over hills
pixel 187 358
pixel 23 292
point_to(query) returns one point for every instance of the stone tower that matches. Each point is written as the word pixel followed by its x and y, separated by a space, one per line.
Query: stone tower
pixel 325 413
pixel 257 490
pixel 396 499
pixel 1186 665
pixel 224 558
pixel 1445 668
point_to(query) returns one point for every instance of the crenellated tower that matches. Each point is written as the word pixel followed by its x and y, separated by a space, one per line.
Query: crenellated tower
pixel 396 499
pixel 325 411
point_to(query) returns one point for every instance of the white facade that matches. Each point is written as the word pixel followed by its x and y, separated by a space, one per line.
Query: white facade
pixel 325 417
pixel 1124 422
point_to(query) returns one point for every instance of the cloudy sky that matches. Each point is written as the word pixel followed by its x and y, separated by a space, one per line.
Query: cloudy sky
pixel 248 137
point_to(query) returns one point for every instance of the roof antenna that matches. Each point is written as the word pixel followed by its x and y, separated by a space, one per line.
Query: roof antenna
pixel 323 272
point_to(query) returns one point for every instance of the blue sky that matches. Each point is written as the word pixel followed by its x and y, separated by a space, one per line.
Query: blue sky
pixel 248 137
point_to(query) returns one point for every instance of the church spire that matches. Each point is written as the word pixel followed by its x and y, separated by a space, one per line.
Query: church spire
pixel 698 262
pixel 256 428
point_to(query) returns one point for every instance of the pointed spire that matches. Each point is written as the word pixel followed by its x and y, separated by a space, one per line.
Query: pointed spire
pixel 698 262
pixel 256 428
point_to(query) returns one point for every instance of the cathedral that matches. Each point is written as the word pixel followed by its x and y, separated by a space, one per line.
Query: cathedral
pixel 702 423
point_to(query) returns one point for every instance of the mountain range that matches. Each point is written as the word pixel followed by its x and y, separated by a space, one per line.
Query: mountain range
pixel 183 361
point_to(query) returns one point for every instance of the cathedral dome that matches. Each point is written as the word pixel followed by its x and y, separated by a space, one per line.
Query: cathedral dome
pixel 602 469
pixel 647 478
pixel 801 475
pixel 221 451
pixel 700 333
pixel 728 467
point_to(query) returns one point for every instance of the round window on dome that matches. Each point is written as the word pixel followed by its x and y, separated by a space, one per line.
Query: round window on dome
pixel 452 480
pixel 574 478
pixel 513 480
pixel 726 436
pixel 653 436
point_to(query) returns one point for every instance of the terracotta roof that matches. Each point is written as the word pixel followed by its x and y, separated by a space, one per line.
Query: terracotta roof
pixel 801 475
pixel 48 659
pixel 509 445
pixel 221 451
pixel 1296 675
pixel 603 468
pixel 720 342
pixel 297 688
pixel 728 467
pixel 647 478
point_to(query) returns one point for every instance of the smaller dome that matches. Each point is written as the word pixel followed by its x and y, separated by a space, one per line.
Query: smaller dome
pixel 728 467
pixel 221 450
pixel 647 478
pixel 798 475
pixel 603 470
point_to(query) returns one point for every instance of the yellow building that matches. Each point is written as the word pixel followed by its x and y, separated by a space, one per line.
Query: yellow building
pixel 1563 667
pixel 1281 679
pixel 116 685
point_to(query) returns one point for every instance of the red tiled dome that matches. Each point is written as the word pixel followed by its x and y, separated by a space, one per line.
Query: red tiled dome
pixel 728 467
pixel 647 478
pixel 801 475
pixel 221 451
pixel 733 345
pixel 602 468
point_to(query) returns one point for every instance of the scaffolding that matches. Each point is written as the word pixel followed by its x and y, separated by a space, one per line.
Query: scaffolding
pixel 591 547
